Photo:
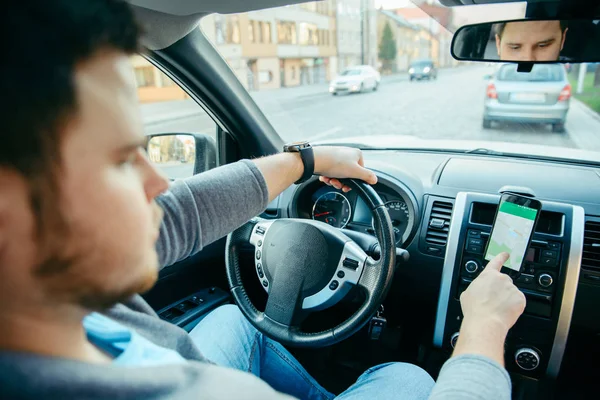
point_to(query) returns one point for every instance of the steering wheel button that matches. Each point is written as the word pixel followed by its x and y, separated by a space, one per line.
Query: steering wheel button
pixel 265 283
pixel 258 254
pixel 334 285
pixel 350 263
pixel 341 274
pixel 259 243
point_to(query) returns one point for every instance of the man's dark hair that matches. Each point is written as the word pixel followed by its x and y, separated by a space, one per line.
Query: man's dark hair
pixel 44 41
pixel 499 28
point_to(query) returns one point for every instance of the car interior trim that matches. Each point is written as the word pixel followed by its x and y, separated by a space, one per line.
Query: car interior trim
pixel 346 275
pixel 570 291
pixel 451 251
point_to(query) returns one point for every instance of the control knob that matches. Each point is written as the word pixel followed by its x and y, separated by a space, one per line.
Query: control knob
pixel 453 339
pixel 471 266
pixel 527 359
pixel 545 280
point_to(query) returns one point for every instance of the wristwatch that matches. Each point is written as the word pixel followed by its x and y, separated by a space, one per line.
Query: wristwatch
pixel 306 154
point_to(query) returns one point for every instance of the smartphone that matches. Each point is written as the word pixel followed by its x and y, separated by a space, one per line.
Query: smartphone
pixel 513 229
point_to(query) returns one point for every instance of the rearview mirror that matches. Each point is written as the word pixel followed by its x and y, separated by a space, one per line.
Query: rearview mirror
pixel 182 155
pixel 530 40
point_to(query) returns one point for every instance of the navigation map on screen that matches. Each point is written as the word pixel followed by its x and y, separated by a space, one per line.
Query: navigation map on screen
pixel 512 229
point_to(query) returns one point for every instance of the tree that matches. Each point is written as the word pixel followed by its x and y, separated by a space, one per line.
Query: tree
pixel 387 46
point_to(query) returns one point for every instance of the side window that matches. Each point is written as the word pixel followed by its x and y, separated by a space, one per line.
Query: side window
pixel 182 136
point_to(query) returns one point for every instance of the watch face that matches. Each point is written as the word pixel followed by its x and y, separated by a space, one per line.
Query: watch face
pixel 295 146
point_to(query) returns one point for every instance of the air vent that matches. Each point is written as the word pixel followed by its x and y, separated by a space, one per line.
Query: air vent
pixel 439 223
pixel 591 247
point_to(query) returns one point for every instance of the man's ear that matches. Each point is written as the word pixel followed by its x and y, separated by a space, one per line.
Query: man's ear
pixel 564 37
pixel 498 40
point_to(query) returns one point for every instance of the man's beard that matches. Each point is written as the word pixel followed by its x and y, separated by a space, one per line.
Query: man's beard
pixel 74 275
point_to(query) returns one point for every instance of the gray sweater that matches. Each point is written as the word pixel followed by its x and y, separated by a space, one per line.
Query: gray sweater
pixel 199 211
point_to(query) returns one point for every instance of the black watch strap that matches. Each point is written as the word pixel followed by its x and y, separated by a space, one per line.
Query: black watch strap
pixel 308 159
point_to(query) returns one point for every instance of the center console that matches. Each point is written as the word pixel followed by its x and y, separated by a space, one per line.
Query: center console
pixel 536 344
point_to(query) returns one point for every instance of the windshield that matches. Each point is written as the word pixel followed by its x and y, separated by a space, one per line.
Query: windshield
pixel 288 59
pixel 421 64
pixel 539 73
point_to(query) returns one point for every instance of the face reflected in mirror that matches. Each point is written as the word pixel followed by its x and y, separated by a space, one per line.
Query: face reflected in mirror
pixel 530 40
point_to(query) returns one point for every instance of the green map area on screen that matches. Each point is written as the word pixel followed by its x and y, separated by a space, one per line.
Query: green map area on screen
pixel 512 229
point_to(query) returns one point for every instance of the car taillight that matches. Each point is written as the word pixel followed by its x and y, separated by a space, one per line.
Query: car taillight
pixel 565 94
pixel 491 91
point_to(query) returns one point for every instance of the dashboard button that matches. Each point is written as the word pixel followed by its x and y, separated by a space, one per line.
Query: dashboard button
pixel 529 269
pixel 554 246
pixel 526 279
pixel 474 233
pixel 475 242
pixel 471 266
pixel 545 280
pixel 350 263
pixel 549 262
pixel 475 249
pixel 549 253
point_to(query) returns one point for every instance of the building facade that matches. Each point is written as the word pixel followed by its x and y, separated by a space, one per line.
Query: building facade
pixel 153 85
pixel 437 21
pixel 413 42
pixel 279 47
pixel 356 22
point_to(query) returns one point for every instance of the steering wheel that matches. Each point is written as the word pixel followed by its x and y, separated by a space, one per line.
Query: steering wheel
pixel 307 265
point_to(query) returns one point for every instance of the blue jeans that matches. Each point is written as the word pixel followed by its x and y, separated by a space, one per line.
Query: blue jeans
pixel 226 338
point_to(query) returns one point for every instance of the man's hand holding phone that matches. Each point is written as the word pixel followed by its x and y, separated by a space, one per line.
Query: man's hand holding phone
pixel 491 305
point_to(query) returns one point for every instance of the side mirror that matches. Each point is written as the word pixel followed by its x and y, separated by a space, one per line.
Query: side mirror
pixel 181 155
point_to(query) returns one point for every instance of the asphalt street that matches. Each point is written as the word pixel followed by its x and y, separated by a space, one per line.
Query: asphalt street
pixel 450 107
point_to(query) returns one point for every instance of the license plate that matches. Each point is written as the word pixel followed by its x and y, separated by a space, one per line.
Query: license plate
pixel 528 97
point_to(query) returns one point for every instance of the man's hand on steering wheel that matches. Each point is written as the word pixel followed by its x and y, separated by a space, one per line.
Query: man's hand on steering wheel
pixel 335 163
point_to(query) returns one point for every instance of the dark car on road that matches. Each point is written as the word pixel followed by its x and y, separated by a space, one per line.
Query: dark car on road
pixel 422 69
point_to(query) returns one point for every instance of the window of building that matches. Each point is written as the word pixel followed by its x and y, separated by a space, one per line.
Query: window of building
pixel 233 29
pixel 144 76
pixel 308 34
pixel 286 32
pixel 266 32
pixel 251 36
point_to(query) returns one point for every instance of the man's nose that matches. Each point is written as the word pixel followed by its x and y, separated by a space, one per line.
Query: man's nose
pixel 527 55
pixel 155 181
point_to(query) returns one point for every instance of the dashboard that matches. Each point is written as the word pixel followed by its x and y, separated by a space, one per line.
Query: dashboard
pixel 443 206
pixel 315 200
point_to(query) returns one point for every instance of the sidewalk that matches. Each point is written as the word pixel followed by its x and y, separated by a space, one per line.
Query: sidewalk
pixel 155 113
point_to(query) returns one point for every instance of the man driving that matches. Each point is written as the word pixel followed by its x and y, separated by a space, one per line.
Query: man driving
pixel 530 40
pixel 86 222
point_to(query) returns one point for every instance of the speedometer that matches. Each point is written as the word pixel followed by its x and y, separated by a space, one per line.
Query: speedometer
pixel 400 216
pixel 333 208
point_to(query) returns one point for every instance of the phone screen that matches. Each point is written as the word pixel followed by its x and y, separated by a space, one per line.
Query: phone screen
pixel 512 229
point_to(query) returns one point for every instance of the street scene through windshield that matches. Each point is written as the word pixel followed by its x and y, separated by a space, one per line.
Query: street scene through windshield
pixel 338 70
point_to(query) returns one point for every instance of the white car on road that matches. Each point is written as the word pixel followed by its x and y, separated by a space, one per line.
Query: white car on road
pixel 355 80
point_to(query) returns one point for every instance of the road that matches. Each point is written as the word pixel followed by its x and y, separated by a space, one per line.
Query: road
pixel 450 107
